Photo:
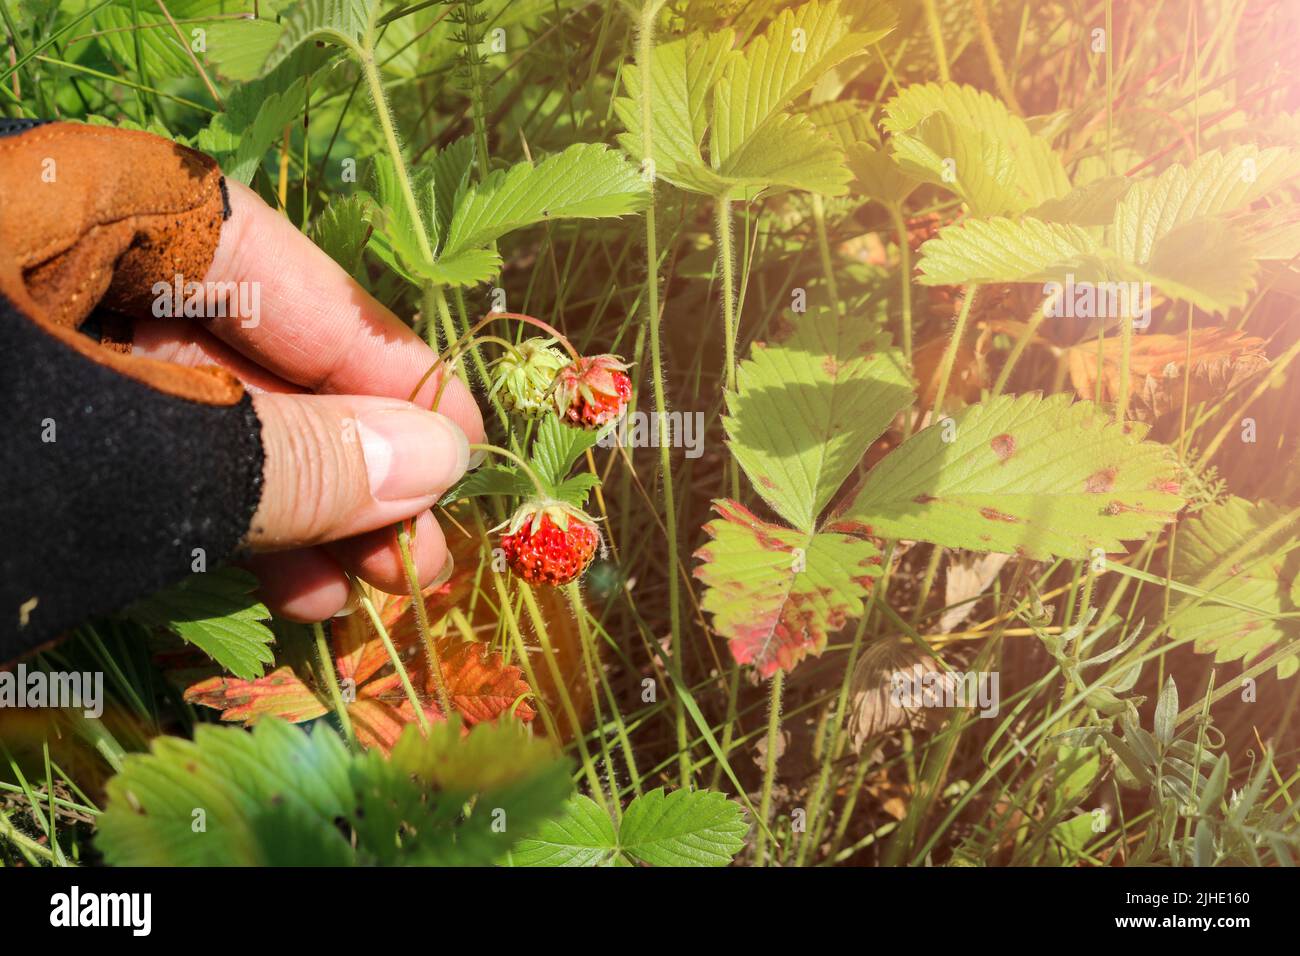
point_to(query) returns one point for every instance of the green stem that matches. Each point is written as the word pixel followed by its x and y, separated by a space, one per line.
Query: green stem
pixel 824 251
pixel 769 769
pixel 422 617
pixel 331 679
pixel 950 356
pixel 936 39
pixel 644 58
pixel 420 717
pixel 905 283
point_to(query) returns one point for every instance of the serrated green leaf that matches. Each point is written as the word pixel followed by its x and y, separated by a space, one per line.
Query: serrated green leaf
pixel 576 489
pixel 582 836
pixel 450 169
pixel 683 75
pixel 491 480
pixel 279 796
pixel 787 152
pixel 970 163
pixel 343 229
pixel 1040 477
pixel 240 137
pixel 1216 183
pixel 809 407
pixel 776 594
pixel 682 828
pixel 336 22
pixel 1010 250
pixel 877 174
pixel 586 181
pixel 782 64
pixel 1092 204
pixel 741 100
pixel 1000 164
pixel 557 447
pixel 239 780
pixel 217 613
pixel 1241 553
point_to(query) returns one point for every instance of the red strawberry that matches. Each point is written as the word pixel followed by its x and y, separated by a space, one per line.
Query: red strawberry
pixel 548 542
pixel 593 391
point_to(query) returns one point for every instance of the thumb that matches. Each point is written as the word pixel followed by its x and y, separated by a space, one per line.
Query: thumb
pixel 340 465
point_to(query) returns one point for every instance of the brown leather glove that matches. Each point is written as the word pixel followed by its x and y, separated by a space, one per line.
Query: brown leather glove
pixel 118 471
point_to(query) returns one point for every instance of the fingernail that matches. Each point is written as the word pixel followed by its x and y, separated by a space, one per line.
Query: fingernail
pixel 477 458
pixel 411 453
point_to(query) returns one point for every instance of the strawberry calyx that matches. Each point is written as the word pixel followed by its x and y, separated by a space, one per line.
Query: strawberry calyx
pixel 593 390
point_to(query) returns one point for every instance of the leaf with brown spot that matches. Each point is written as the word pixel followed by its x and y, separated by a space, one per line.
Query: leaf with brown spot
pixel 1036 502
pixel 775 593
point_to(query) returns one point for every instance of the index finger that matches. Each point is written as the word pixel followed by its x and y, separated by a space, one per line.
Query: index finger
pixel 314 325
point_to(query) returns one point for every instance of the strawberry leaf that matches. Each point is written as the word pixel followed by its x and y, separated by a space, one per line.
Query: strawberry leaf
pixel 217 613
pixel 775 593
pixel 1239 563
pixel 583 835
pixel 808 408
pixel 1041 477
pixel 586 181
pixel 682 828
pixel 557 447
pixel 967 140
pixel 279 797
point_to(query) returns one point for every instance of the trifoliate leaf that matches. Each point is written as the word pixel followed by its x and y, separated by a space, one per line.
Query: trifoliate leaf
pixel 682 828
pixel 808 408
pixel 1039 477
pixel 217 613
pixel 586 181
pixel 1237 556
pixel 999 163
pixel 776 594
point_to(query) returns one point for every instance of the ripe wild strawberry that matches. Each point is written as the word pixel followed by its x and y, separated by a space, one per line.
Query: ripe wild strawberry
pixel 522 380
pixel 548 542
pixel 593 391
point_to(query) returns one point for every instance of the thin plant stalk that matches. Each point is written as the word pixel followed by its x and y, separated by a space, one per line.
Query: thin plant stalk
pixel 644 58
pixel 331 679
pixel 769 768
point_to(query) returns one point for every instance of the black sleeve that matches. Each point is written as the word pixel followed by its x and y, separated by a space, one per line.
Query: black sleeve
pixel 109 489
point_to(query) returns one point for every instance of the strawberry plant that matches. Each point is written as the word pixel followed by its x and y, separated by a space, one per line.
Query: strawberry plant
pixel 968 535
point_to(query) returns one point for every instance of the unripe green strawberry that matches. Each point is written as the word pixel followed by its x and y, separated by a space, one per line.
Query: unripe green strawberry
pixel 593 391
pixel 549 542
pixel 522 380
